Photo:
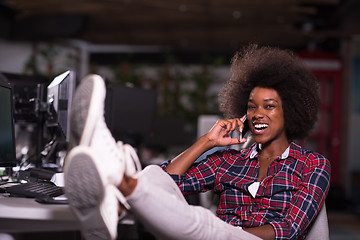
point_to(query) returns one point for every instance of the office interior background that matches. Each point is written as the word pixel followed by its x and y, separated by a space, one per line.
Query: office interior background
pixel 181 51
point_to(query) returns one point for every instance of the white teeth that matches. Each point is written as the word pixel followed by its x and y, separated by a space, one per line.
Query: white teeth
pixel 257 126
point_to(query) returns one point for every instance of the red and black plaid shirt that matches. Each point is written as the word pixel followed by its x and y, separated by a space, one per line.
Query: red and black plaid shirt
pixel 288 198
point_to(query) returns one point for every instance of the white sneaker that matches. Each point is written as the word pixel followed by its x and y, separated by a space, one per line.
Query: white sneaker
pixel 92 199
pixel 95 164
pixel 86 110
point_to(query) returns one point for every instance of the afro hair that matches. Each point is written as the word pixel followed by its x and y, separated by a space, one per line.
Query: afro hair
pixel 280 70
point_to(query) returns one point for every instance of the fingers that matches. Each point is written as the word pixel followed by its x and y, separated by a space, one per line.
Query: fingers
pixel 243 140
pixel 220 133
pixel 237 141
pixel 230 125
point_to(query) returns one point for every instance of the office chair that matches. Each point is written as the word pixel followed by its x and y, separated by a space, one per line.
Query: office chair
pixel 320 228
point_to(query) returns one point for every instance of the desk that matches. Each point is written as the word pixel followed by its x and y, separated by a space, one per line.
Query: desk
pixel 27 215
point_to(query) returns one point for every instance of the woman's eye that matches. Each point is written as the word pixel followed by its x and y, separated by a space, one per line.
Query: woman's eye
pixel 270 106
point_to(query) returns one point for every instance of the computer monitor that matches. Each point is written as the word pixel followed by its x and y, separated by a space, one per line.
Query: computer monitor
pixel 129 112
pixel 59 98
pixel 26 93
pixel 7 136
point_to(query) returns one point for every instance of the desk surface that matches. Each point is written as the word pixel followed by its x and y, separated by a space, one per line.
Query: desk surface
pixel 27 215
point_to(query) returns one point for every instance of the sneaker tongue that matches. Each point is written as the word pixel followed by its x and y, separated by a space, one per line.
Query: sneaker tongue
pixel 132 162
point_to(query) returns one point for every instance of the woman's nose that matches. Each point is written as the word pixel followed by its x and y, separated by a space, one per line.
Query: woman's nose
pixel 258 113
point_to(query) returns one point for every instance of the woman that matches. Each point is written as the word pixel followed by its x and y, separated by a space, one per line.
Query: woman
pixel 280 98
pixel 272 190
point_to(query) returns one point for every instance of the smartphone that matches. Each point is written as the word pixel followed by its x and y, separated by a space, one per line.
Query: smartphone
pixel 245 129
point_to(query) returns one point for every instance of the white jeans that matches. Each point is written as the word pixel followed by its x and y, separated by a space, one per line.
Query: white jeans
pixel 160 206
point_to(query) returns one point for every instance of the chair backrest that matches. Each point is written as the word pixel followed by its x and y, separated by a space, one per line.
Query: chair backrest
pixel 320 228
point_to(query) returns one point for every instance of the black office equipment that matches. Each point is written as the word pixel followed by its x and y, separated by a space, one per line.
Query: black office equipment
pixel 55 109
pixel 46 107
pixel 130 112
pixel 29 95
pixel 59 98
pixel 35 190
pixel 28 91
pixel 7 138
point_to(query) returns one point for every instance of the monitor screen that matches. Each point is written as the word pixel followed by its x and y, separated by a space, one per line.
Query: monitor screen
pixel 25 90
pixel 59 97
pixel 129 112
pixel 7 138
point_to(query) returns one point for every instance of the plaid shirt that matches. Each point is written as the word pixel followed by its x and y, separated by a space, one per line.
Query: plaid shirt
pixel 288 198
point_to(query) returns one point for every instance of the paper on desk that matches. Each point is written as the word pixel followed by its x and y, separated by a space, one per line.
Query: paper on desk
pixel 58 179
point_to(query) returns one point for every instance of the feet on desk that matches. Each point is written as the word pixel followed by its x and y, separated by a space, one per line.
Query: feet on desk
pixel 95 164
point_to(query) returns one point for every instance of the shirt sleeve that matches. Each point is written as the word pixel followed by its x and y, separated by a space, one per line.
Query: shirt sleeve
pixel 200 177
pixel 307 202
pixel 177 178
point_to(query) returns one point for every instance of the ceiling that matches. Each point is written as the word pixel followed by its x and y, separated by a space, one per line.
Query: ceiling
pixel 183 24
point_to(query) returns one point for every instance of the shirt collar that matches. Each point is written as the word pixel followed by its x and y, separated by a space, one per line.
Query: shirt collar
pixel 254 152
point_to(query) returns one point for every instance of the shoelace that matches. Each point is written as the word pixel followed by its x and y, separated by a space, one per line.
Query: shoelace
pixel 132 162
pixel 132 166
pixel 121 198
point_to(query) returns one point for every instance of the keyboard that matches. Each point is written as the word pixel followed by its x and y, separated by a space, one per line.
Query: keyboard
pixel 35 190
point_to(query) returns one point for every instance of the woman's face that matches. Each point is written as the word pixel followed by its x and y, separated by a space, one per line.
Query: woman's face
pixel 266 116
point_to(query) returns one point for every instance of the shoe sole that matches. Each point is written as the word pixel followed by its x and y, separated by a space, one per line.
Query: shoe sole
pixel 85 192
pixel 88 106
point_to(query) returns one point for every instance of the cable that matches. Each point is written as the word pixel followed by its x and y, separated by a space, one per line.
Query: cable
pixel 49 144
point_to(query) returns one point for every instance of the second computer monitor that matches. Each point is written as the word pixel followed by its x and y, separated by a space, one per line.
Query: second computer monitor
pixel 130 112
pixel 59 97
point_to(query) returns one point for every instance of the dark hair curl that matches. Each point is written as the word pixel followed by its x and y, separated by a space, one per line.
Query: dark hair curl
pixel 280 70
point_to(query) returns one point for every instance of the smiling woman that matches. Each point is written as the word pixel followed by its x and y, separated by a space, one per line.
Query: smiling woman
pixel 272 190
pixel 280 98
